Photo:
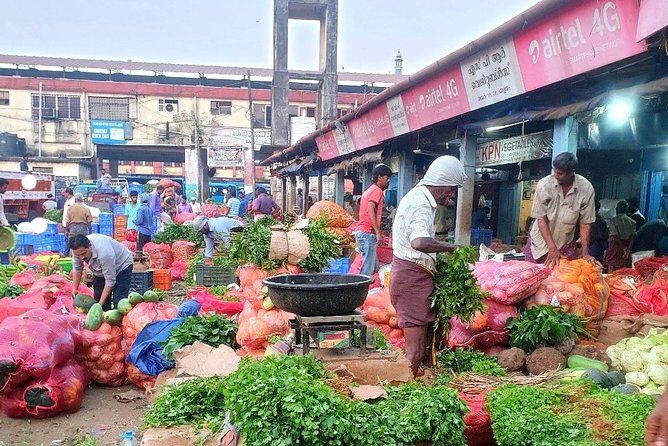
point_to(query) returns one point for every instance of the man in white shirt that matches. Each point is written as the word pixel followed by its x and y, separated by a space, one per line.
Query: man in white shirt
pixel 415 248
pixel 68 194
pixel 3 188
pixel 196 207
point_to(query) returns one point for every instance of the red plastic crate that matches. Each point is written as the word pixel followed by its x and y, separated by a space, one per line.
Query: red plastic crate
pixel 162 279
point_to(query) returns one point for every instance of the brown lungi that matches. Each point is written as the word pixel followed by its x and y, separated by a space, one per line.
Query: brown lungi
pixel 410 287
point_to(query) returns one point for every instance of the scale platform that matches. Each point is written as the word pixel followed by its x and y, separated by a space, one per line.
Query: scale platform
pixel 329 332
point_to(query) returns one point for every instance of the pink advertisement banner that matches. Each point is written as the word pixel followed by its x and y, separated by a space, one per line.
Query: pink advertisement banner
pixel 653 17
pixel 371 128
pixel 586 36
pixel 327 148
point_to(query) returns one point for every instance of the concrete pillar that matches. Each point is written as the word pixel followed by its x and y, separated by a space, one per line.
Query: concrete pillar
pixel 465 193
pixel 113 168
pixel 339 187
pixel 280 119
pixel 193 173
pixel 327 93
pixel 565 136
pixel 367 177
pixel 284 201
pixel 307 177
pixel 293 193
pixel 204 176
pixel 406 173
pixel 320 185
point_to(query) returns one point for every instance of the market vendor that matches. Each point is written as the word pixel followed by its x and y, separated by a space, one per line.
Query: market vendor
pixel 109 262
pixel 264 205
pixel 563 201
pixel 414 246
pixel 656 432
pixel 652 236
pixel 215 229
pixel 622 231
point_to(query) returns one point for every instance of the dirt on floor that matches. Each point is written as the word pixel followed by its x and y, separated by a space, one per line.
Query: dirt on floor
pixel 101 416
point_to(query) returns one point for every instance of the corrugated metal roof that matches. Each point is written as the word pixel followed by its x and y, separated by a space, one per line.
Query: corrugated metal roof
pixel 162 67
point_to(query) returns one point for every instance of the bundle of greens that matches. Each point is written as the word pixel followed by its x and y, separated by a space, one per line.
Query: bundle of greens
pixel 456 292
pixel 199 401
pixel 544 325
pixel 462 361
pixel 54 215
pixel 251 245
pixel 578 414
pixel 173 232
pixel 212 330
pixel 10 291
pixel 323 246
pixel 379 338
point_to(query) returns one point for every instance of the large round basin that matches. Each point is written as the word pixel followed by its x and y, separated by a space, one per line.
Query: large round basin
pixel 318 294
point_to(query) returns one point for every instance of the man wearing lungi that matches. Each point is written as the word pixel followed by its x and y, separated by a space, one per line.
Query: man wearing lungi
pixel 414 246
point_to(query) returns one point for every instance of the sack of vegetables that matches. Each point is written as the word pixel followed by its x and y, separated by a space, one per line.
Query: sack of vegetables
pixel 101 352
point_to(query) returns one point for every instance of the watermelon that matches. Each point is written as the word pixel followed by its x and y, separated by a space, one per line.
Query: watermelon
pixel 135 298
pixel 124 306
pixel 151 296
pixel 94 317
pixel 113 317
pixel 82 303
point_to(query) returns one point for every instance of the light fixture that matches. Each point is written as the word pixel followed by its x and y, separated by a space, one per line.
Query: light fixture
pixel 499 127
pixel 619 110
pixel 28 182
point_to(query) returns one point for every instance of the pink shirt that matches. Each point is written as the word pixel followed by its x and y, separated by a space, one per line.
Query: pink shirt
pixel 372 194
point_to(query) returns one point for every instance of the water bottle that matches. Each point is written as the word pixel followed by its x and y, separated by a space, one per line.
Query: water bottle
pixel 128 439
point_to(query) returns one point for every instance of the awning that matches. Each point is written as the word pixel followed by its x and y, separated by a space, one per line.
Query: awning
pixel 366 158
pixel 295 167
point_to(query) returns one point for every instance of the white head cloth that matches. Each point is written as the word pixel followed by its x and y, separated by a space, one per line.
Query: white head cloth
pixel 444 171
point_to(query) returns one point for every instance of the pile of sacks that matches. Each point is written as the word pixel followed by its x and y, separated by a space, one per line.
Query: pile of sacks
pixel 379 313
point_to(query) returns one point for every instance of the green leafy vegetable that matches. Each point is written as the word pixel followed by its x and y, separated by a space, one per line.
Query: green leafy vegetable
pixel 54 215
pixel 381 341
pixel 173 232
pixel 544 325
pixel 199 401
pixel 461 361
pixel 578 414
pixel 456 292
pixel 212 330
pixel 251 245
pixel 10 291
pixel 323 246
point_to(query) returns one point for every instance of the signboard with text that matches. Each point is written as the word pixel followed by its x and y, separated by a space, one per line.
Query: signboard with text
pixel 228 156
pixel 513 150
pixel 240 136
pixel 107 132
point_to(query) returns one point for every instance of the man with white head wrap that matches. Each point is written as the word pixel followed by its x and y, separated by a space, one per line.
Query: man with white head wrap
pixel 214 229
pixel 414 246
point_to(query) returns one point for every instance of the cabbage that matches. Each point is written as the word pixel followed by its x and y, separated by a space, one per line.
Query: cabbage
pixel 658 373
pixel 651 389
pixel 637 378
pixel 632 361
pixel 615 353
pixel 638 344
pixel 654 338
pixel 661 351
pixel 651 358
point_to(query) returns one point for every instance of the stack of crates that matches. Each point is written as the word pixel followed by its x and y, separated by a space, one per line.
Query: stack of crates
pixel 338 266
pixel 139 188
pixel 25 244
pixel 61 244
pixel 106 224
pixel 120 227
pixel 118 209
pixel 162 279
pixel 142 281
pixel 95 228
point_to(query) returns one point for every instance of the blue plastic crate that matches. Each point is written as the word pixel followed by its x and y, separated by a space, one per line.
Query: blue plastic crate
pixel 106 219
pixel 51 228
pixel 481 236
pixel 106 230
pixel 338 266
pixel 95 228
pixel 24 239
pixel 118 209
pixel 4 257
pixel 139 188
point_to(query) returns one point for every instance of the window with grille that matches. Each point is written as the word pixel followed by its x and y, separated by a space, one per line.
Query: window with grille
pixel 4 98
pixel 310 112
pixel 221 107
pixel 57 107
pixel 168 105
pixel 109 108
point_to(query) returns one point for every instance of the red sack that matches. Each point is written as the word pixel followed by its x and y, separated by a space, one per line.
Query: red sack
pixel 478 422
pixel 251 353
pixel 648 266
pixel 141 315
pixel 24 279
pixel 131 246
pixel 622 289
pixel 485 329
pixel 621 272
pixel 509 282
pixel 178 270
pixel 61 392
pixel 138 378
pixel 210 210
pixel 32 344
pixel 101 352
pixel 209 303
pixel 256 325
pixel 182 251
pixel 653 299
pixel 179 219
pixel 16 307
pixel 159 254
pixel 50 285
pixel 131 236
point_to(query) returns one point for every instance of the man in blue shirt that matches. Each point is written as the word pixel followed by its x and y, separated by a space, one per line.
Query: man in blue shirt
pixel 244 202
pixel 131 209
pixel 233 204
pixel 144 223
pixel 214 229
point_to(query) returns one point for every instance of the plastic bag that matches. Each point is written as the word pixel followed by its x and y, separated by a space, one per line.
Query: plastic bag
pixel 478 422
pixel 24 279
pixel 256 325
pixel 211 304
pixel 159 254
pixel 486 329
pixel 146 352
pixel 182 251
pixel 60 392
pixel 509 282
pixel 178 270
pixel 32 344
pixel 621 300
pixel 184 217
pixel 101 352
